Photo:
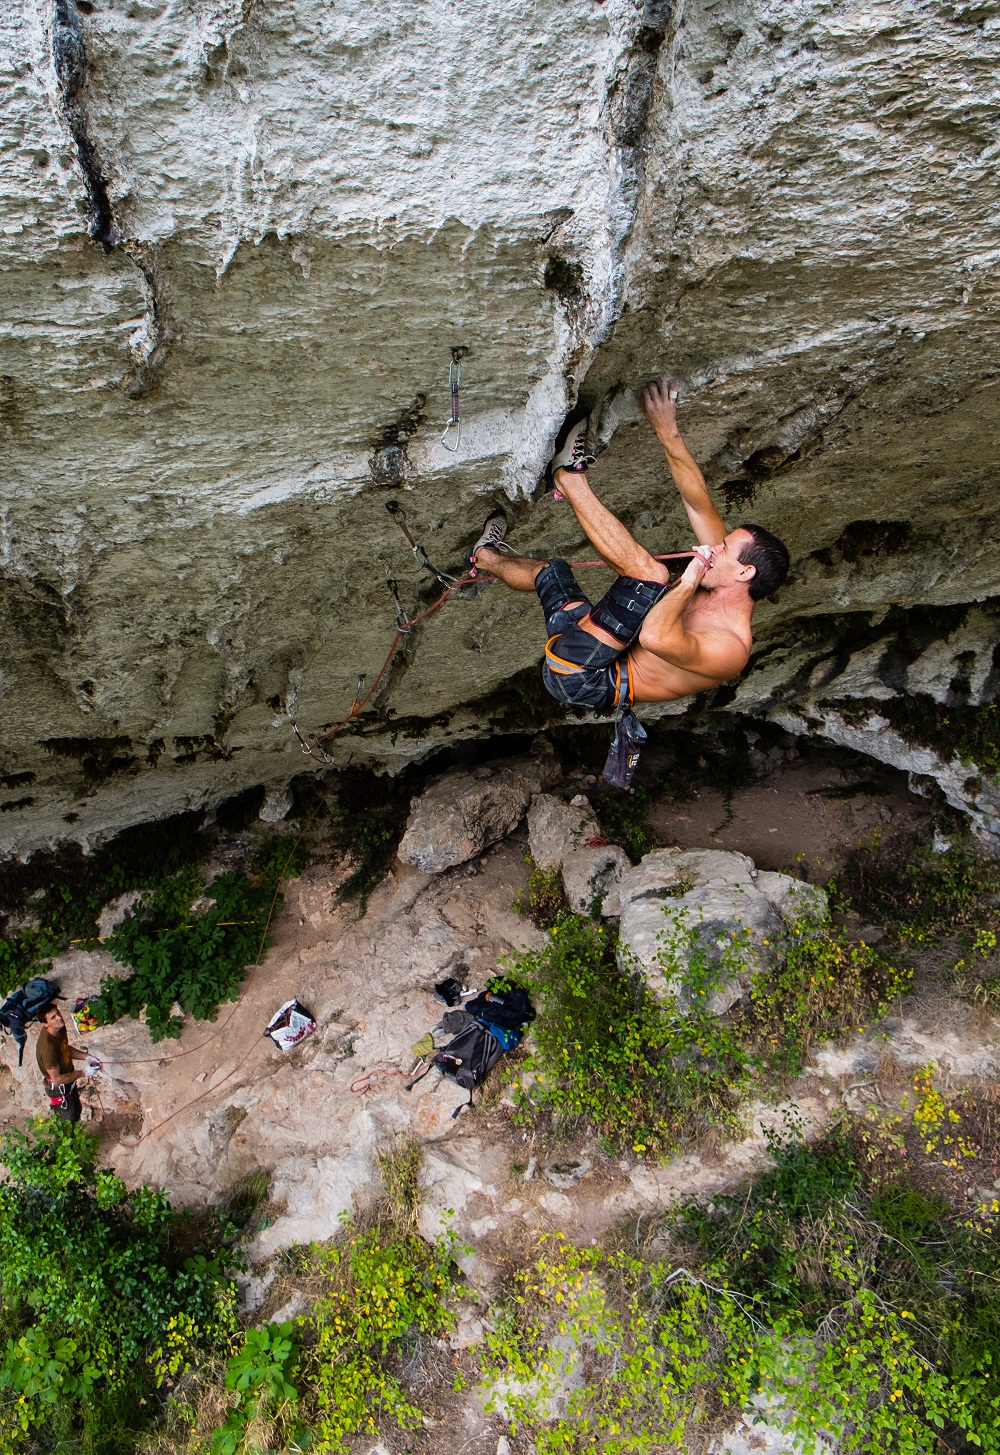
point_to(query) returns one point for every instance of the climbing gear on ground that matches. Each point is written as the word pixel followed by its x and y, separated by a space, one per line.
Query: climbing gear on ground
pixel 24 1005
pixel 494 530
pixel 452 436
pixel 364 1082
pixel 488 1025
pixel 572 454
pixel 504 1012
pixel 449 990
pixel 423 1047
pixel 466 1060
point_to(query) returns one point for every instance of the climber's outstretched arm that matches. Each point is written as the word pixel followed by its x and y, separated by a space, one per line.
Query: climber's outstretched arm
pixel 659 402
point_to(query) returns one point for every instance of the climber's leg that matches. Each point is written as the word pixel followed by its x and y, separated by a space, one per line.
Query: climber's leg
pixel 514 571
pixel 610 539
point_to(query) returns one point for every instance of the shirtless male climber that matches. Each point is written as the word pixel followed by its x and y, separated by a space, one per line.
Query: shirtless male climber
pixel 671 641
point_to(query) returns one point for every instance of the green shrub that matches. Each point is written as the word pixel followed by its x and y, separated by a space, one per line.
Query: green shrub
pixel 260 1375
pixel 99 1301
pixel 194 958
pixel 838 1311
pixel 646 1072
pixel 543 900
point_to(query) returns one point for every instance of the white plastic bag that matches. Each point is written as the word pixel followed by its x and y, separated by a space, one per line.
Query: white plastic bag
pixel 290 1025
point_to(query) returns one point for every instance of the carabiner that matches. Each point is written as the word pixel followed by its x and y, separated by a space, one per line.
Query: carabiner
pixel 453 429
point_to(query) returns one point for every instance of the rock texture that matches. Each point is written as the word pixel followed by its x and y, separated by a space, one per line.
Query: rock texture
pixel 595 874
pixel 461 813
pixel 556 828
pixel 709 910
pixel 240 242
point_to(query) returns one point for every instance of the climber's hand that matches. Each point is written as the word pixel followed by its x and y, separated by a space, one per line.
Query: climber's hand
pixel 659 404
pixel 699 563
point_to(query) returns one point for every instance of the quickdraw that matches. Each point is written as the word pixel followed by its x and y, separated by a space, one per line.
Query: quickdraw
pixel 419 554
pixel 453 429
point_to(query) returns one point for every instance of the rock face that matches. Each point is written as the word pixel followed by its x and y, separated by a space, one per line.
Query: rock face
pixel 595 874
pixel 461 813
pixel 243 243
pixel 556 828
pixel 697 923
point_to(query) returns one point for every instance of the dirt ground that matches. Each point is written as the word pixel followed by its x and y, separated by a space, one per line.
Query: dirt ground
pixel 807 813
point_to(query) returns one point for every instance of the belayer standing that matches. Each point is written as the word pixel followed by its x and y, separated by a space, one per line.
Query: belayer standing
pixel 644 641
pixel 55 1057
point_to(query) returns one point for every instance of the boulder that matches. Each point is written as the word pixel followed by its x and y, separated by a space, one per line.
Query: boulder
pixel 466 810
pixel 556 828
pixel 698 923
pixel 590 874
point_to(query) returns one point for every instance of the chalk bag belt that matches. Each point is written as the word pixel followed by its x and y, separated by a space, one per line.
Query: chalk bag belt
pixel 56 1093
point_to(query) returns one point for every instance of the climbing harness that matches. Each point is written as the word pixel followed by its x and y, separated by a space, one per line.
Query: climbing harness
pixel 453 429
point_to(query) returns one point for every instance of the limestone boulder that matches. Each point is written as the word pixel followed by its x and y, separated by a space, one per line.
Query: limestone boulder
pixel 467 809
pixel 556 828
pixel 698 923
pixel 595 874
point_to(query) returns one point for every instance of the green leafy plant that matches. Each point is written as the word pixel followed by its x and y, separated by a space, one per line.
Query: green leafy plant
pixel 260 1376
pixel 381 1295
pixel 543 899
pixel 189 945
pixel 92 1281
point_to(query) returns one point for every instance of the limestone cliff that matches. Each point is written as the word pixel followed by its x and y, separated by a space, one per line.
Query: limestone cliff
pixel 240 242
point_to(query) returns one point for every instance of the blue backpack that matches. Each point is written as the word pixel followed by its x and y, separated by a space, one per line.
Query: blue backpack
pixel 25 1005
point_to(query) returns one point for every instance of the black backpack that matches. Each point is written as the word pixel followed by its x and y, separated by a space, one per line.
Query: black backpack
pixel 466 1059
pixel 510 1008
pixel 25 1005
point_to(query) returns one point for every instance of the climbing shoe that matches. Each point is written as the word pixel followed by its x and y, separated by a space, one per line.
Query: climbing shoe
pixel 493 533
pixel 573 454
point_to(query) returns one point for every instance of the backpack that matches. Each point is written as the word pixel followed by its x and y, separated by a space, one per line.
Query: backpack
pixel 466 1059
pixel 25 1005
pixel 509 1008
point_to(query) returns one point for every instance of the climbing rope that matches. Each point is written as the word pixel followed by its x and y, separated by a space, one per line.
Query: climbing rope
pixel 453 429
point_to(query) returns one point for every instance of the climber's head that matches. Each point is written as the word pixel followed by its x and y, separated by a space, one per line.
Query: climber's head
pixel 750 556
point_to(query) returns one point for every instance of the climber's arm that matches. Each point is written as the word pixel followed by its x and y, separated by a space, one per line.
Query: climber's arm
pixel 660 404
pixel 716 653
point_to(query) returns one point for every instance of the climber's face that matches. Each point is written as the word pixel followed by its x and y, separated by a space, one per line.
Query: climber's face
pixel 727 568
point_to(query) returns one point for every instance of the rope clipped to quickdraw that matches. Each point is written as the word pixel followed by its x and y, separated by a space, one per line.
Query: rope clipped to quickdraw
pixel 452 436
pixel 406 623
pixel 419 554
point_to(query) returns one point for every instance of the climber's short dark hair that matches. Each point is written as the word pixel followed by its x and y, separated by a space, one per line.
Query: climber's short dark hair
pixel 770 556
